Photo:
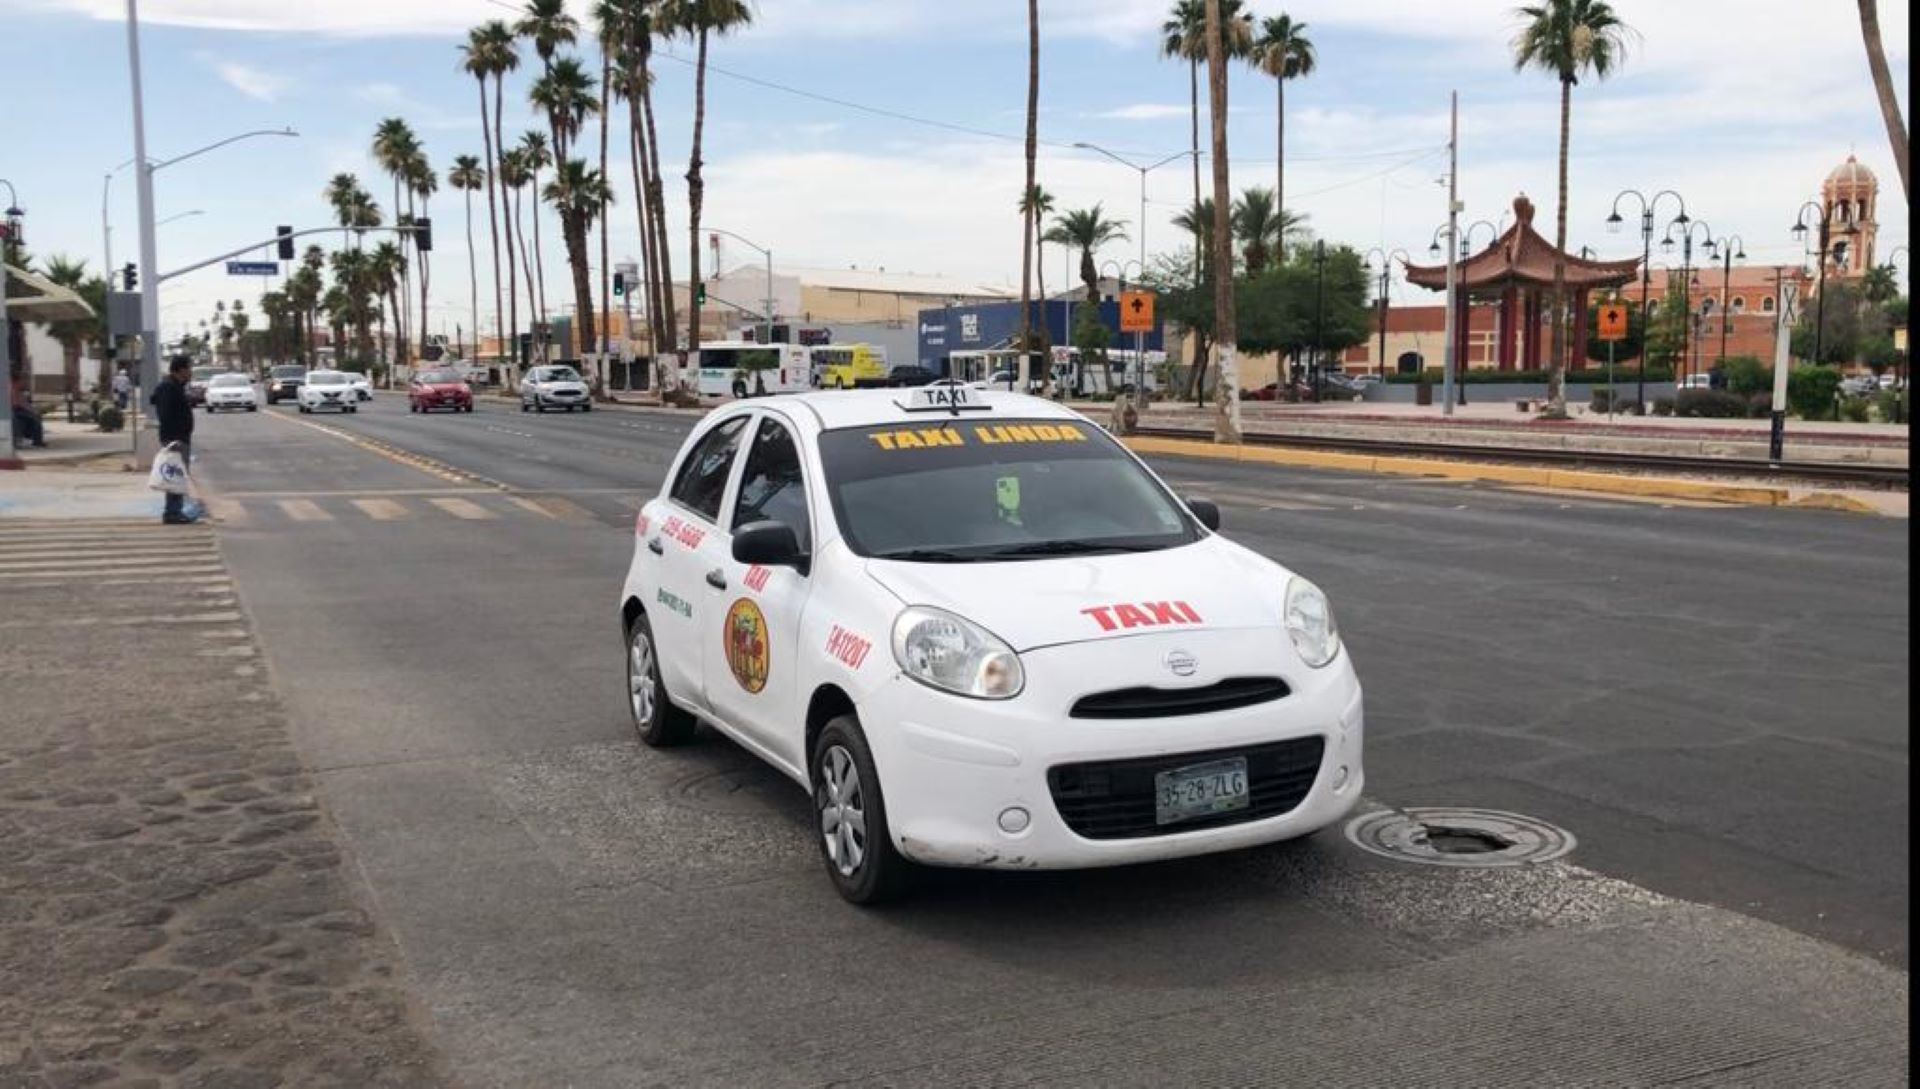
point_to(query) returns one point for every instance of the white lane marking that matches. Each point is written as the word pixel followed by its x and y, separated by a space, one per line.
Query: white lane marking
pixel 304 510
pixel 464 509
pixel 381 510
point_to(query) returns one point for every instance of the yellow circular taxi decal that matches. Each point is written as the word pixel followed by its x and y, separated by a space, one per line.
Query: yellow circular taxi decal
pixel 746 644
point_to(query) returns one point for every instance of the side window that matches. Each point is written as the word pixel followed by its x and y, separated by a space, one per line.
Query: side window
pixel 771 489
pixel 702 482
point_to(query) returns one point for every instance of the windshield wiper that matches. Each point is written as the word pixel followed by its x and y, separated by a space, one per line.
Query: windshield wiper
pixel 1067 548
pixel 929 555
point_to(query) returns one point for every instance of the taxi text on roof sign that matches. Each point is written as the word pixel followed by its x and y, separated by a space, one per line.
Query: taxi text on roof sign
pixel 919 438
pixel 945 396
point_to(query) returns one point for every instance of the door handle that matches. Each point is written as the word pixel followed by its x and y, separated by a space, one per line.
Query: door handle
pixel 717 579
pixel 654 546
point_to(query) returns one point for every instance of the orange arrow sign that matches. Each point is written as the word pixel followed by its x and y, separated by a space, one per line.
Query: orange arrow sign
pixel 1136 311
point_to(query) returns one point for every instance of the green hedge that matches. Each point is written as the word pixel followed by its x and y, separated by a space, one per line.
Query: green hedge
pixel 1590 376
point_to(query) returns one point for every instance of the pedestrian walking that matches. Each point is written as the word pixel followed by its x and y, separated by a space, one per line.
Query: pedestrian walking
pixel 175 418
pixel 122 389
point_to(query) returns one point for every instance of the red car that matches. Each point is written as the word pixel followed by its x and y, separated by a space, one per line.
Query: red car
pixel 441 388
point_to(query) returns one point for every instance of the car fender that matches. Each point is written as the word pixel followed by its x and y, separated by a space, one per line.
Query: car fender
pixel 845 641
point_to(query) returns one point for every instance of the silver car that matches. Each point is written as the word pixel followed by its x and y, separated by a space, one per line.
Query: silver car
pixel 554 387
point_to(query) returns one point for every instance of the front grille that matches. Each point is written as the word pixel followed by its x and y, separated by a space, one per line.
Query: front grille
pixel 1146 702
pixel 1114 799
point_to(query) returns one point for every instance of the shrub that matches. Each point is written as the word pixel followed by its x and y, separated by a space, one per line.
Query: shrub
pixel 1663 406
pixel 1589 376
pixel 1710 403
pixel 1746 374
pixel 1759 405
pixel 1886 402
pixel 110 419
pixel 1811 389
pixel 1602 401
pixel 1854 410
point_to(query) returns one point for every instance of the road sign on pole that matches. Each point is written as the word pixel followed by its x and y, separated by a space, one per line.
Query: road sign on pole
pixel 253 268
pixel 1613 322
pixel 1136 311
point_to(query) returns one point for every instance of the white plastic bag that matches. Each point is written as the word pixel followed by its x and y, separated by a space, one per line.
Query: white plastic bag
pixel 169 472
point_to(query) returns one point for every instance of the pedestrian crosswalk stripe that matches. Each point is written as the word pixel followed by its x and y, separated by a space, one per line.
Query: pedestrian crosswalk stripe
pixel 552 506
pixel 11 564
pixel 227 511
pixel 148 575
pixel 381 510
pixel 461 508
pixel 109 552
pixel 304 510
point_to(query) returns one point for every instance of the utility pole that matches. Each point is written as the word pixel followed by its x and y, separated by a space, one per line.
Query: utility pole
pixel 149 246
pixel 7 241
pixel 1782 349
pixel 1453 250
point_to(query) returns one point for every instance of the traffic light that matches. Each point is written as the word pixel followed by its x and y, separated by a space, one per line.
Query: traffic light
pixel 700 294
pixel 130 275
pixel 619 285
pixel 286 242
pixel 423 234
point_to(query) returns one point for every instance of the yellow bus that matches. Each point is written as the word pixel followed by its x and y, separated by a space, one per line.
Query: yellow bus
pixel 849 366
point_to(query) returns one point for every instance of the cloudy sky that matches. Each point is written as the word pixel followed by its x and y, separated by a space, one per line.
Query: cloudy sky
pixel 885 133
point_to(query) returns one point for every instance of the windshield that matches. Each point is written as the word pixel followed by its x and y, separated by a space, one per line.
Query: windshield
pixel 326 378
pixel 201 374
pixel 232 380
pixel 441 378
pixel 970 490
pixel 557 374
pixel 288 372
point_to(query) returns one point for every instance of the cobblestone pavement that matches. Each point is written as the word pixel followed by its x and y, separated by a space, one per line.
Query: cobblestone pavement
pixel 174 908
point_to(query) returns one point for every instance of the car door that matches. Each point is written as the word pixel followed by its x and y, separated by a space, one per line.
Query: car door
pixel 751 643
pixel 687 540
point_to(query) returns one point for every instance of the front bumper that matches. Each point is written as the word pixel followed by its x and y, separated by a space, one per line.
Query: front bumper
pixel 952 767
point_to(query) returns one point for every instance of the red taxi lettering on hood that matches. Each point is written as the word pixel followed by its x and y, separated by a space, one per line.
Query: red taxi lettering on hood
pixel 849 648
pixel 1146 614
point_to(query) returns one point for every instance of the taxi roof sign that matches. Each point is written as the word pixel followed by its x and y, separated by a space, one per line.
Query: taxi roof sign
pixel 946 395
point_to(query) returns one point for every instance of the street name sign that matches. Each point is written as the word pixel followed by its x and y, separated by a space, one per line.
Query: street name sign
pixel 253 268
pixel 1136 311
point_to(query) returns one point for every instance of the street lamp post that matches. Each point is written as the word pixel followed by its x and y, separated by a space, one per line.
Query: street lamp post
pixel 1686 273
pixel 1139 339
pixel 1732 248
pixel 1386 270
pixel 1318 371
pixel 1825 236
pixel 768 254
pixel 1120 276
pixel 9 238
pixel 1647 212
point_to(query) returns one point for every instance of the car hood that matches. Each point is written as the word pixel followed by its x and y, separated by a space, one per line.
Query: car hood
pixel 441 387
pixel 560 387
pixel 1210 584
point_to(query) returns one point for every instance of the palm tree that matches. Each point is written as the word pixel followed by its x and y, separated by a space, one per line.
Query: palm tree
pixel 580 194
pixel 467 176
pixel 1028 222
pixel 1087 229
pixel 565 95
pixel 533 158
pixel 1566 38
pixel 514 177
pixel 74 336
pixel 1883 87
pixel 548 26
pixel 1262 228
pixel 646 18
pixel 1284 52
pixel 422 183
pixel 1226 425
pixel 304 291
pixel 1184 36
pixel 489 50
pixel 701 19
pixel 1037 205
pixel 387 281
pixel 241 322
pixel 394 149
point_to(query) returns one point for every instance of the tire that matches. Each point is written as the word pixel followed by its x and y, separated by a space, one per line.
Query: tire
pixel 304 410
pixel 841 764
pixel 659 723
pixel 586 408
pixel 353 408
pixel 253 408
pixel 525 407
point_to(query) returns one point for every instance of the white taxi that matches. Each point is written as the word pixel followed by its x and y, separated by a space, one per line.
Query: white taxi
pixel 982 633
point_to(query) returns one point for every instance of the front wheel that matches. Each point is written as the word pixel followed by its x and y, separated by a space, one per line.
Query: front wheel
pixel 353 408
pixel 253 408
pixel 659 723
pixel 586 408
pixel 855 842
pixel 525 407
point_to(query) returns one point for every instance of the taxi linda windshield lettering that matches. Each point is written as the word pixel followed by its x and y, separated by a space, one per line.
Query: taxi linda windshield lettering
pixel 921 438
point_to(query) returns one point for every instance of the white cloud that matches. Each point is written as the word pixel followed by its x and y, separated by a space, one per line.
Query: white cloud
pixel 252 82
pixel 1143 111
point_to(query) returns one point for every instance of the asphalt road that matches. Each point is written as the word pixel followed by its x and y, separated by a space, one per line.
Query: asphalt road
pixel 1714 700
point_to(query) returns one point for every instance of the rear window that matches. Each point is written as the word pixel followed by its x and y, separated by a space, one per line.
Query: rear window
pixel 232 380
pixel 289 372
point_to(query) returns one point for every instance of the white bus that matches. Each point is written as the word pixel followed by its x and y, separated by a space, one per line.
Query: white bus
pixel 731 368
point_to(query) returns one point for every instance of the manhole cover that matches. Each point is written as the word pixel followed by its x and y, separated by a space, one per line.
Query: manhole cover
pixel 1455 836
pixel 748 790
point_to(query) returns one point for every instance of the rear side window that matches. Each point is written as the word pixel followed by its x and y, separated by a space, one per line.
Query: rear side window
pixel 702 482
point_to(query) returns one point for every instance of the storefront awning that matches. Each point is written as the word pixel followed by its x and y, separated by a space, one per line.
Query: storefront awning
pixel 32 297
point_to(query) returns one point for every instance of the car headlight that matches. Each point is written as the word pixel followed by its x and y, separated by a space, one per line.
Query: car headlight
pixel 1310 623
pixel 943 651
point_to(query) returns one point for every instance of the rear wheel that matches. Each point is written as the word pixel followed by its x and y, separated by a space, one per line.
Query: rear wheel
pixel 655 718
pixel 855 842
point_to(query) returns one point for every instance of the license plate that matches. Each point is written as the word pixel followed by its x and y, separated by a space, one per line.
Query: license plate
pixel 1200 790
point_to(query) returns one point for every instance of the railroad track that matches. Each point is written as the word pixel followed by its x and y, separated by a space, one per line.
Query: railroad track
pixel 1883 476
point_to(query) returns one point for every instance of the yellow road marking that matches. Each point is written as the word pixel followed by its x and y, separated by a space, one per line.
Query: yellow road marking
pixel 461 508
pixel 381 510
pixel 304 510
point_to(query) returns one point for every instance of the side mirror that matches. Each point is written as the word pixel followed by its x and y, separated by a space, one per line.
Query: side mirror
pixel 1206 510
pixel 769 544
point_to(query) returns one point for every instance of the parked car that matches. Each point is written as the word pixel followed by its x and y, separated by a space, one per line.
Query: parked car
pixel 1697 381
pixel 197 385
pixel 554 387
pixel 442 387
pixel 910 375
pixel 1889 380
pixel 284 381
pixel 362 385
pixel 1858 385
pixel 328 389
pixel 231 391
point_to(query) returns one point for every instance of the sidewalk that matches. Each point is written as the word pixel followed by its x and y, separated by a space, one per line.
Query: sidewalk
pixel 71 443
pixel 58 492
pixel 176 908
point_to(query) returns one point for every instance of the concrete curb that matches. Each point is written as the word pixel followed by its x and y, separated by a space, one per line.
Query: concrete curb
pixel 1606 483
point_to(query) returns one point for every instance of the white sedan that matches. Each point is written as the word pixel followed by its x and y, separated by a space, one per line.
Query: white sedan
pixel 328 389
pixel 982 633
pixel 232 391
pixel 554 387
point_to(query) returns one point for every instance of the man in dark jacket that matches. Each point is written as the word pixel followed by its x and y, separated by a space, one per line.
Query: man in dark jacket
pixel 175 418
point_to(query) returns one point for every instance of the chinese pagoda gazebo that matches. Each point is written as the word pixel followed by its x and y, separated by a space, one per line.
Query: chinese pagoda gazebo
pixel 1516 271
